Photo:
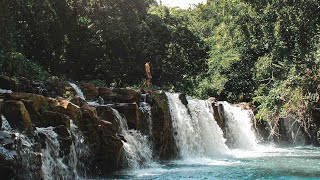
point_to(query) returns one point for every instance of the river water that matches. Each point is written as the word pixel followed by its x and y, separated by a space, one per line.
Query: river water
pixel 263 163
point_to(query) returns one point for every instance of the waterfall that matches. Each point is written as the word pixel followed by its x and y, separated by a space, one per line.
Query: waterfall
pixel 196 131
pixel 5 124
pixel 138 152
pixel 239 130
pixel 146 111
pixel 53 165
pixel 2 91
pixel 78 90
pixel 80 149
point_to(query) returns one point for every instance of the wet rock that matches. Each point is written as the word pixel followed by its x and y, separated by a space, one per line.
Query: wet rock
pixel 119 95
pixel 291 131
pixel 106 113
pixel 1 107
pixel 263 130
pixel 65 140
pixel 7 167
pixel 131 112
pixel 7 83
pixel 183 99
pixel 103 142
pixel 17 115
pixel 90 90
pixel 218 112
pixel 163 139
pixel 56 119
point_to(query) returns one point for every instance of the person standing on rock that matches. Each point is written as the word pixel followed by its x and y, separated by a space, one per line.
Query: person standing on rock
pixel 148 75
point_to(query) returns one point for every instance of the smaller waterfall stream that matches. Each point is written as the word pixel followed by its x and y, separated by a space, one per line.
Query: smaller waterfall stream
pixel 53 165
pixel 78 90
pixel 197 134
pixel 80 149
pixel 239 127
pixel 138 152
pixel 5 124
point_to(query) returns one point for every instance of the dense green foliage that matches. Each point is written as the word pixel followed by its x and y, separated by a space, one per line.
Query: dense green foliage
pixel 106 40
pixel 262 51
pixel 265 52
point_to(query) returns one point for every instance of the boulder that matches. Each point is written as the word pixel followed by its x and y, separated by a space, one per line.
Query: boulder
pixel 163 139
pixel 106 113
pixel 91 111
pixel 78 101
pixel 119 95
pixel 38 100
pixel 56 119
pixel 36 118
pixel 90 90
pixel 17 115
pixel 73 111
pixel 7 83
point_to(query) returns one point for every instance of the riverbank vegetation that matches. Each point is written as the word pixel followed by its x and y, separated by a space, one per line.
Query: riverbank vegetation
pixel 266 52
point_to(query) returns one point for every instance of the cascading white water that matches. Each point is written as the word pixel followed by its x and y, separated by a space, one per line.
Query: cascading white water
pixel 137 149
pixel 146 110
pixel 197 134
pixel 239 127
pixel 80 149
pixel 5 124
pixel 2 91
pixel 54 166
pixel 78 90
